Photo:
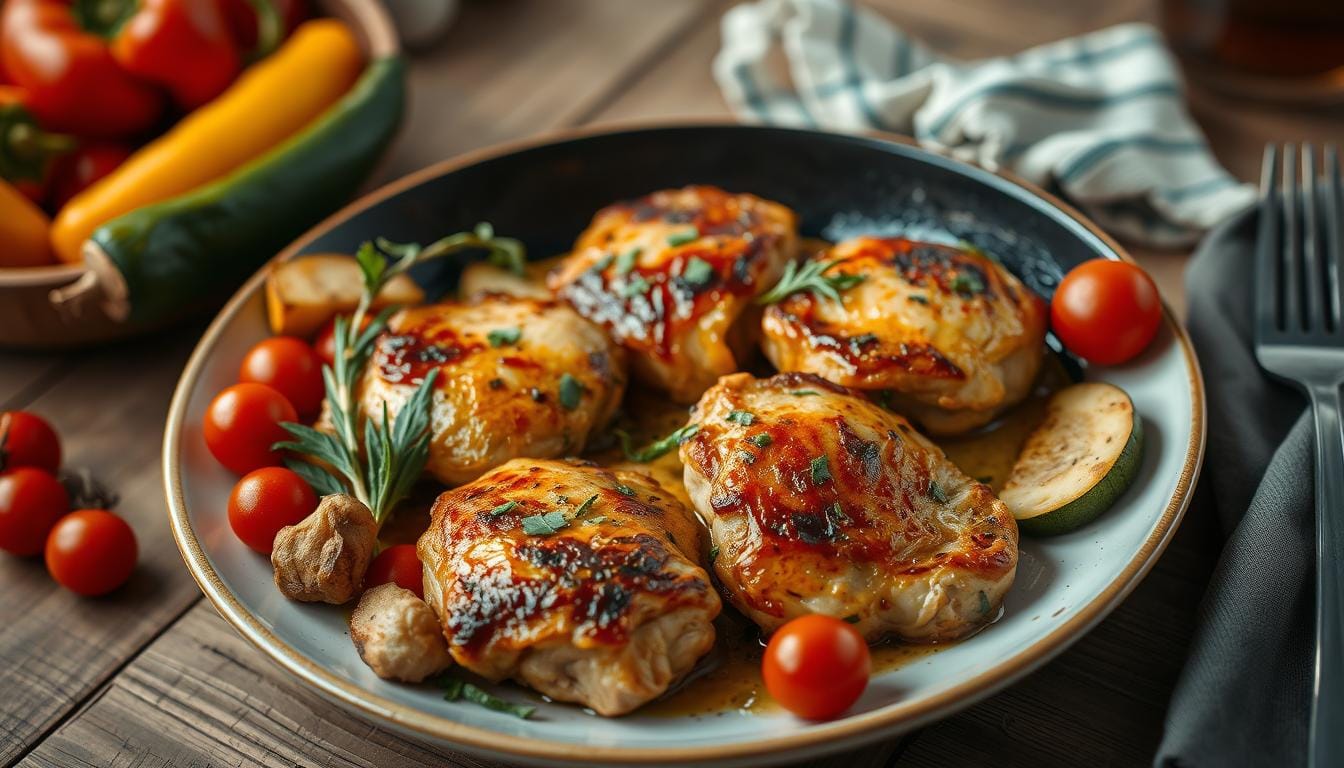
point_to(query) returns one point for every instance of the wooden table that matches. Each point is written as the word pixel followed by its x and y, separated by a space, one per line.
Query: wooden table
pixel 152 676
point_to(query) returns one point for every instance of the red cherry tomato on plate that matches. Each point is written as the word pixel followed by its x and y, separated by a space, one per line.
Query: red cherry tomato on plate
pixel 27 440
pixel 1106 312
pixel 243 422
pixel 816 666
pixel 290 367
pixel 91 552
pixel 325 343
pixel 400 565
pixel 265 501
pixel 31 501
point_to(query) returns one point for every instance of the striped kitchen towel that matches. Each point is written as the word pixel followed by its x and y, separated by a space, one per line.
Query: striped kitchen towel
pixel 1098 118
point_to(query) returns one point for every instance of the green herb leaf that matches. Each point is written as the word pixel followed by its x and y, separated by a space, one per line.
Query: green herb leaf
pixel 502 508
pixel 761 440
pixel 683 236
pixel 595 520
pixel 490 701
pixel 697 272
pixel 984 603
pixel 821 470
pixel 809 278
pixel 544 524
pixel 601 265
pixel 322 482
pixel 714 553
pixel 625 490
pixel 570 392
pixel 803 392
pixel 936 492
pixel 918 298
pixel 585 506
pixel 967 283
pixel 504 336
pixel 452 687
pixel 745 418
pixel 635 286
pixel 857 343
pixel 658 447
pixel 626 261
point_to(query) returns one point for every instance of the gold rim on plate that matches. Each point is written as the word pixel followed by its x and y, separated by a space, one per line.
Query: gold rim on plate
pixel 848 732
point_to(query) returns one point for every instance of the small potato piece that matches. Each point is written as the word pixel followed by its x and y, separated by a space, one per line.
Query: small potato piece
pixel 304 293
pixel 324 557
pixel 398 635
pixel 482 277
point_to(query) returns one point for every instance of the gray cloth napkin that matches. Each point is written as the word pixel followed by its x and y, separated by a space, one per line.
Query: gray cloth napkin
pixel 1244 695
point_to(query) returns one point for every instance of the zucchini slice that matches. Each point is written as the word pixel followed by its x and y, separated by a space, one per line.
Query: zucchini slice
pixel 1080 459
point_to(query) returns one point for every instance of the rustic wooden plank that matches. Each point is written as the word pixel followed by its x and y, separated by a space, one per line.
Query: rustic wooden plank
pixel 23 376
pixel 58 647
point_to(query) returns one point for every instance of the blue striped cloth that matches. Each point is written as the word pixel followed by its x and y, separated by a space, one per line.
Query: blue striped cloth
pixel 1098 118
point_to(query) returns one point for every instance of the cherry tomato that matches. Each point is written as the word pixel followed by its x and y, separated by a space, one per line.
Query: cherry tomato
pixel 243 422
pixel 816 666
pixel 400 565
pixel 265 501
pixel 325 343
pixel 27 440
pixel 1106 312
pixel 77 171
pixel 31 501
pixel 290 367
pixel 91 552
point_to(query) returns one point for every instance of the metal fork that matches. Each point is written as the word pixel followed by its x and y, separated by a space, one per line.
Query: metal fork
pixel 1299 336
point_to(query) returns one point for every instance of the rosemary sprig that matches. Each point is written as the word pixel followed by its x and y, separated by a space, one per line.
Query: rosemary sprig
pixel 658 447
pixel 378 461
pixel 810 278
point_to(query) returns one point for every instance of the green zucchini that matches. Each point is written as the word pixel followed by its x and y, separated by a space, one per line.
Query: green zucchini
pixel 163 259
pixel 1081 458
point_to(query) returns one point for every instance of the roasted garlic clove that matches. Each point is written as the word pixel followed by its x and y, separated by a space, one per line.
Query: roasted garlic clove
pixel 323 558
pixel 398 635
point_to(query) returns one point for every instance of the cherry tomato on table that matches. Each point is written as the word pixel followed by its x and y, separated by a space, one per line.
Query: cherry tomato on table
pixel 265 501
pixel 400 565
pixel 91 552
pixel 816 666
pixel 27 440
pixel 1106 312
pixel 31 501
pixel 243 422
pixel 290 367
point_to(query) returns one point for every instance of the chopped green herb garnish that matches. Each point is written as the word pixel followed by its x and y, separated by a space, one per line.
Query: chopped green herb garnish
pixel 984 602
pixel 452 687
pixel 747 456
pixel 803 392
pixel 697 272
pixel 745 418
pixel 570 392
pixel 544 525
pixel 683 236
pixel 821 470
pixel 636 286
pixel 502 508
pixel 625 490
pixel 714 553
pixel 658 447
pixel 967 282
pixel 836 514
pixel 490 701
pixel 761 440
pixel 626 261
pixel 936 492
pixel 595 520
pixel 918 298
pixel 809 278
pixel 857 343
pixel 601 264
pixel 585 506
pixel 504 336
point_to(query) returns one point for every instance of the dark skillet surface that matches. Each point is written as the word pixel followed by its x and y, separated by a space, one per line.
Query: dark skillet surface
pixel 840 186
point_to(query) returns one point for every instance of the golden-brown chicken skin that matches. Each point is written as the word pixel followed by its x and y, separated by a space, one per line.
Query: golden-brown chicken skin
pixel 603 603
pixel 672 275
pixel 820 501
pixel 516 377
pixel 948 335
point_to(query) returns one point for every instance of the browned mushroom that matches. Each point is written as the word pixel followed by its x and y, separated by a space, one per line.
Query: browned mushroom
pixel 323 558
pixel 398 635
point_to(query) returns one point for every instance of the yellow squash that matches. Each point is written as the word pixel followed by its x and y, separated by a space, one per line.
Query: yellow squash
pixel 23 230
pixel 270 102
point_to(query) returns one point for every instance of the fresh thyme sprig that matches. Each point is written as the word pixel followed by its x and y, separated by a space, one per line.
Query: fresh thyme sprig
pixel 378 461
pixel 810 278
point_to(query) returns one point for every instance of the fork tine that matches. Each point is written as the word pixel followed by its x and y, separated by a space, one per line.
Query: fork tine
pixel 1315 286
pixel 1267 306
pixel 1291 260
pixel 1334 249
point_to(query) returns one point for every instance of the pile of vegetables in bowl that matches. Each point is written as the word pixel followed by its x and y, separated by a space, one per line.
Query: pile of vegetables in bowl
pixel 167 147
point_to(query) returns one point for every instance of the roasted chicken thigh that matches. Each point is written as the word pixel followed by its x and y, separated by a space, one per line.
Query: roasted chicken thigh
pixel 671 276
pixel 579 581
pixel 948 335
pixel 516 377
pixel 820 501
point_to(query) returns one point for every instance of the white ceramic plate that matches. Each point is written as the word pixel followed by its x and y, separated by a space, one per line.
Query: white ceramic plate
pixel 1064 585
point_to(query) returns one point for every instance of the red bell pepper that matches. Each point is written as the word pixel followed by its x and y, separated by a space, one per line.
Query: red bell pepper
pixel 75 172
pixel 27 153
pixel 248 28
pixel 73 83
pixel 184 45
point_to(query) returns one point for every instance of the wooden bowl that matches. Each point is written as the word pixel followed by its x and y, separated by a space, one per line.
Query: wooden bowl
pixel 56 306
